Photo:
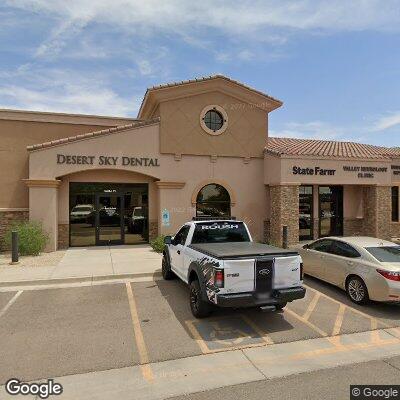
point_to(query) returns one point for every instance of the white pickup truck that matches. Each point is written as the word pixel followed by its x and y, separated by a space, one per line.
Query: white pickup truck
pixel 224 267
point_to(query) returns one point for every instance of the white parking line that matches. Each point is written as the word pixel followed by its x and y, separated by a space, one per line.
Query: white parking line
pixel 10 303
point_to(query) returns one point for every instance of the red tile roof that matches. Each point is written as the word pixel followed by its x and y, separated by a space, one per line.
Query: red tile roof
pixel 202 79
pixel 328 148
pixel 89 135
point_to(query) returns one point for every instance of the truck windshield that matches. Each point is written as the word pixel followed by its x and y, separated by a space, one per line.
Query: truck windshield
pixel 220 232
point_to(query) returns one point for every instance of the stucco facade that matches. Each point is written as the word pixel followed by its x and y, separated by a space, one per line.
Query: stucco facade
pixel 155 168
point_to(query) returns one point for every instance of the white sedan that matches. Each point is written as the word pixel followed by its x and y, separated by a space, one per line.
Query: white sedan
pixel 366 267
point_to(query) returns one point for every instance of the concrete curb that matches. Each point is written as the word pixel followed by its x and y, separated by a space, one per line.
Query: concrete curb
pixel 79 279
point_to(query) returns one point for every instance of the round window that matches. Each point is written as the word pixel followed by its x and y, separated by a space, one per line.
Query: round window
pixel 213 119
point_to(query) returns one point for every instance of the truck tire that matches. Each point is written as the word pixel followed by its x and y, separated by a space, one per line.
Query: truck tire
pixel 280 306
pixel 166 269
pixel 199 307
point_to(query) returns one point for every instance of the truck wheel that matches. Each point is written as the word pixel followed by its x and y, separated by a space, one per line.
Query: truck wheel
pixel 199 307
pixel 166 269
pixel 280 306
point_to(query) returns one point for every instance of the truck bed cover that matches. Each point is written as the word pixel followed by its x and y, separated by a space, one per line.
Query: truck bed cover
pixel 240 250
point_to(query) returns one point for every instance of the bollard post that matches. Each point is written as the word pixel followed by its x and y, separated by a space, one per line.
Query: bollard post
pixel 285 236
pixel 14 245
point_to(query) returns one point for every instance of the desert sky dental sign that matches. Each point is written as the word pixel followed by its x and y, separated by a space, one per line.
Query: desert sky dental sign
pixel 107 160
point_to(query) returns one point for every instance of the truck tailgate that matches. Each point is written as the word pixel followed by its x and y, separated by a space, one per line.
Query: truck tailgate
pixel 239 275
pixel 287 272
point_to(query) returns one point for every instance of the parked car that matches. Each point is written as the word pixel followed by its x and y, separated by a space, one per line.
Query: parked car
pixel 224 267
pixel 81 212
pixel 366 267
pixel 137 221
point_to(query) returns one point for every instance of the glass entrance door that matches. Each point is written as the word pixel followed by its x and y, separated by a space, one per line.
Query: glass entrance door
pixel 109 219
pixel 330 211
pixel 305 212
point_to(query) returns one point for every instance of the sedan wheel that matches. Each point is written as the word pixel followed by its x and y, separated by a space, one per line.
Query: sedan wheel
pixel 356 290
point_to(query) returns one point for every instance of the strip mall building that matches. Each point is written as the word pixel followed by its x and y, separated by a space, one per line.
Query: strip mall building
pixel 197 148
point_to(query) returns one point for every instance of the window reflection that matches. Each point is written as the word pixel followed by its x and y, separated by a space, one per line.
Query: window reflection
pixel 213 201
pixel 305 212
pixel 117 212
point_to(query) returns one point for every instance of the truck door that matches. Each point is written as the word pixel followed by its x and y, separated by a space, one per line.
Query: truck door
pixel 177 250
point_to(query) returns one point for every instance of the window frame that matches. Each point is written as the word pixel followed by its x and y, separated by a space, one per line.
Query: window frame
pixel 335 243
pixel 321 241
pixel 395 203
pixel 208 202
pixel 222 112
pixel 181 231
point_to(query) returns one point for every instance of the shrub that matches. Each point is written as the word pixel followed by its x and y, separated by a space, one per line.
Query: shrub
pixel 31 238
pixel 158 244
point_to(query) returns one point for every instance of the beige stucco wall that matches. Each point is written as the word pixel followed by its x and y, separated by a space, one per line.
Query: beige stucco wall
pixel 15 137
pixel 181 132
pixel 280 170
pixel 244 178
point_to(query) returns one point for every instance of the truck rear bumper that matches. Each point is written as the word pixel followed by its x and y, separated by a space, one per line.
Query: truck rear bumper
pixel 278 296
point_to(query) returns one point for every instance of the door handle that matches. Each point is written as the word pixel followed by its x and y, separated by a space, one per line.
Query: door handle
pixel 178 251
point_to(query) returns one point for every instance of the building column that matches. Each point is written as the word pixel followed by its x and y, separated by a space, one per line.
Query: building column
pixel 43 207
pixel 284 203
pixel 170 199
pixel 377 211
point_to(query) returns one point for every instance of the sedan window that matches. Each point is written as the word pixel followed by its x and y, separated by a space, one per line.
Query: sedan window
pixel 344 250
pixel 321 245
pixel 385 253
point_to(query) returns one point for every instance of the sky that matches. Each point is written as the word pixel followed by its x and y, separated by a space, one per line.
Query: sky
pixel 335 64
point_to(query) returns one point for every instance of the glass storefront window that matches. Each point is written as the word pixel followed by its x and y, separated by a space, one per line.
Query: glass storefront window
pixel 305 212
pixel 213 201
pixel 81 219
pixel 331 210
pixel 108 213
pixel 395 204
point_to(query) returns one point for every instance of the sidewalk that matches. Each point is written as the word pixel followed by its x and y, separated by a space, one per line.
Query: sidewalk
pixel 87 264
pixel 160 380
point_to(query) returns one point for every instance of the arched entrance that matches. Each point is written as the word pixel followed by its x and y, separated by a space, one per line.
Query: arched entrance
pixel 106 207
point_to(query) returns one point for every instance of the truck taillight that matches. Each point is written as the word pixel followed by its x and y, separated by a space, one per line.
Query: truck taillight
pixel 219 278
pixel 392 276
pixel 301 271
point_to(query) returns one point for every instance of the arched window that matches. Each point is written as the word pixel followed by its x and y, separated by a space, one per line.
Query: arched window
pixel 213 200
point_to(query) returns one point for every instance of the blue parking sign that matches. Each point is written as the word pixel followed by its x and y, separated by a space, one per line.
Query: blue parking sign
pixel 165 217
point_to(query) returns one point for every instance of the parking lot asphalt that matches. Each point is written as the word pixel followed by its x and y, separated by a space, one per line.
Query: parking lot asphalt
pixel 56 332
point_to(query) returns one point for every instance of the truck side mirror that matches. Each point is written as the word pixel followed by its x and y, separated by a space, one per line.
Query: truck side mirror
pixel 167 240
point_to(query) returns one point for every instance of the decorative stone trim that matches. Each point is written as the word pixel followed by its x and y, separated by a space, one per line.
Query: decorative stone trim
pixel 170 185
pixel 218 182
pixel 49 183
pixel 153 229
pixel 9 218
pixel 285 209
pixel 177 157
pixel 63 236
pixel 353 226
pixel 218 108
pixel 13 209
pixel 214 158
